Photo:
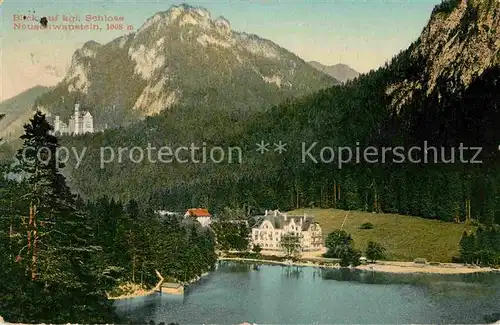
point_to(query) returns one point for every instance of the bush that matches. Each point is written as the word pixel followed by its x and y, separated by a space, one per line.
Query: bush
pixel 273 258
pixel 336 242
pixel 355 258
pixel 350 257
pixel 344 262
pixel 375 251
pixel 475 223
pixel 257 249
pixel 366 225
pixel 487 257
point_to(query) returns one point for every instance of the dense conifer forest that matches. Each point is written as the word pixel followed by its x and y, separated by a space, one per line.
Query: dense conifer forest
pixel 61 257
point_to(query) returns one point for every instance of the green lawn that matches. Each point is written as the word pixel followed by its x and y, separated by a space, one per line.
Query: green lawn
pixel 404 237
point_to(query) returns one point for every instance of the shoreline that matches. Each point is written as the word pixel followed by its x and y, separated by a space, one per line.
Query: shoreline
pixel 382 266
pixel 137 291
pixel 144 293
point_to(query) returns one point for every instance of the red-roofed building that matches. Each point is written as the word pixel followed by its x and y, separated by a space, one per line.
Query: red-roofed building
pixel 202 215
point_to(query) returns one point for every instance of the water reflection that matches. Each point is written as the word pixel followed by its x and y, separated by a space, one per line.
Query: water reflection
pixel 148 304
pixel 235 267
pixel 419 279
pixel 317 273
pixel 267 294
pixel 292 271
pixel 170 298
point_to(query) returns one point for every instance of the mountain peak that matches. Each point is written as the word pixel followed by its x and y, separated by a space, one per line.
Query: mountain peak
pixel 186 15
pixel 340 71
pixel 89 48
pixel 223 23
pixel 198 13
pixel 183 56
pixel 91 44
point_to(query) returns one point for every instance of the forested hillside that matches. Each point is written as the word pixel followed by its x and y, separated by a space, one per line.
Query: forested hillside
pixel 377 109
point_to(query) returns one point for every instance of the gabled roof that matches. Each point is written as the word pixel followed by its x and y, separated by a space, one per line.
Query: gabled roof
pixel 198 212
pixel 279 220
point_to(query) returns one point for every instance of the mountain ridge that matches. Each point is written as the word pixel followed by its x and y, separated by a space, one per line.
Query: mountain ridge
pixel 182 56
pixel 18 110
pixel 340 71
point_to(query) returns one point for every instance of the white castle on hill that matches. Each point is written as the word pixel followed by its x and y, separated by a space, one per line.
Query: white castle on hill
pixel 79 123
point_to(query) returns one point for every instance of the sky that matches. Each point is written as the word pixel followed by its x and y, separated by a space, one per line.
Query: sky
pixel 363 34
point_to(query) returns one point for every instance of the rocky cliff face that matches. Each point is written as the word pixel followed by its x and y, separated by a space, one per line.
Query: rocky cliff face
pixel 460 42
pixel 183 56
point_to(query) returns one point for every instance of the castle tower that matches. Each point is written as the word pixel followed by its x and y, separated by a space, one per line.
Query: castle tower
pixel 88 123
pixel 57 125
pixel 71 125
pixel 76 118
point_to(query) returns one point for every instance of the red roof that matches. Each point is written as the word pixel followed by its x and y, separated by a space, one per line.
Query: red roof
pixel 198 212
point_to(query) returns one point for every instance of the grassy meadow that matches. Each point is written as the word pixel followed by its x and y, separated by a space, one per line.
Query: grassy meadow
pixel 404 237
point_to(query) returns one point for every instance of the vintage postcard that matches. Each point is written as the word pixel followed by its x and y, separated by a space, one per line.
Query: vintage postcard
pixel 250 162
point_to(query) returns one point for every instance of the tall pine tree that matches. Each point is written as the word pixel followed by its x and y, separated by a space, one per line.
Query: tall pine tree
pixel 53 268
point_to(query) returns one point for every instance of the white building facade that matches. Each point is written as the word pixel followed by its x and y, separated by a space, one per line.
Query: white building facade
pixel 79 123
pixel 269 229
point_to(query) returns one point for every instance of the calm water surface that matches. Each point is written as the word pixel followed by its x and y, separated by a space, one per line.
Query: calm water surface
pixel 267 294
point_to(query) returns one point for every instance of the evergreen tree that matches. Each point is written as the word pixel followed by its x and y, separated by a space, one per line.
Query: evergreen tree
pixel 53 268
pixel 481 248
pixel 375 251
pixel 467 247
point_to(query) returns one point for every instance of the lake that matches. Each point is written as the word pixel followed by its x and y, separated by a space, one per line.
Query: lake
pixel 270 294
